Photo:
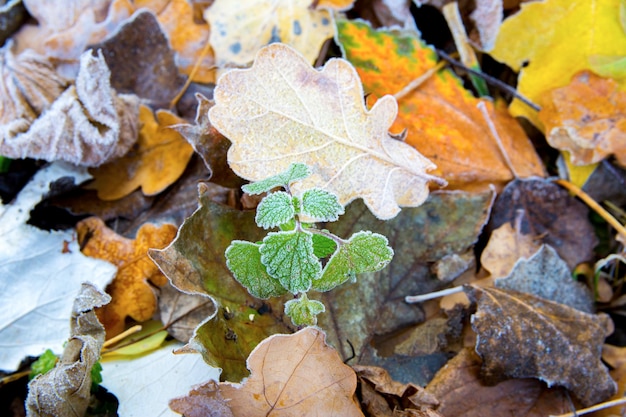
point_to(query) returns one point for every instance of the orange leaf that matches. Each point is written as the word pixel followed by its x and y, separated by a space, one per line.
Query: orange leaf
pixel 442 118
pixel 586 118
pixel 157 160
pixel 132 295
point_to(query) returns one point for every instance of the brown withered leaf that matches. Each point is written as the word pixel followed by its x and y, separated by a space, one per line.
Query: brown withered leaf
pixel 290 375
pixel 141 60
pixel 131 293
pixel 65 390
pixel 615 357
pixel 158 159
pixel 524 336
pixel 182 312
pixel 586 118
pixel 87 125
pixel 461 393
pixel 505 246
pixel 550 215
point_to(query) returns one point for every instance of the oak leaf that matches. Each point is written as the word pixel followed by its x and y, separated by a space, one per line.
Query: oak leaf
pixel 158 160
pixel 542 31
pixel 524 336
pixel 132 294
pixel 290 375
pixel 321 121
pixel 587 118
pixel 441 117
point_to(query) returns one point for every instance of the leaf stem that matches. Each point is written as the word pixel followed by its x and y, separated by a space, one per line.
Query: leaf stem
pixel 596 407
pixel 329 235
pixel 411 299
pixel 194 70
pixel 418 81
pixel 494 132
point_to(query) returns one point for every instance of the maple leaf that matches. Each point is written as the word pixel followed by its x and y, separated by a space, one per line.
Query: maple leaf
pixel 131 293
pixel 587 118
pixel 320 121
pixel 159 159
pixel 296 373
pixel 441 117
pixel 541 35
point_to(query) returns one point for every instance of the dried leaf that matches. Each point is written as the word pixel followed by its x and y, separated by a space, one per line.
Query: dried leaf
pixel 292 22
pixel 320 121
pixel 505 247
pixel 158 159
pixel 87 125
pixel 132 294
pixel 183 312
pixel 587 118
pixel 296 374
pixel 65 390
pixel 487 17
pixel 461 393
pixel 615 357
pixel 524 336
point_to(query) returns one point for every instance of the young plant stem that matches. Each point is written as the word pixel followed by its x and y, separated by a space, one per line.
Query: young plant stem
pixel 596 407
pixel 411 299
pixel 336 239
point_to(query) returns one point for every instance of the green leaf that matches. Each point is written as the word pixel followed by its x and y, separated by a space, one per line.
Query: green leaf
pixel 289 257
pixel 321 205
pixel 295 172
pixel 364 252
pixel 275 209
pixel 303 312
pixel 244 261
pixel 96 376
pixel 44 364
pixel 323 246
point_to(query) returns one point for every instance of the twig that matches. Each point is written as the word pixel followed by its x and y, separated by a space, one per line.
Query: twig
pixel 596 407
pixel 423 297
pixel 483 109
pixel 489 79
pixel 194 70
pixel 123 335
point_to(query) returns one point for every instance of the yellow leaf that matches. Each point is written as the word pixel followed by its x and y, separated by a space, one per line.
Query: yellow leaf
pixel 557 37
pixel 237 33
pixel 282 111
pixel 157 160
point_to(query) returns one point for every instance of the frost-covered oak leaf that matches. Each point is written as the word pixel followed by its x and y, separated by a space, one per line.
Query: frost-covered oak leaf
pixel 281 110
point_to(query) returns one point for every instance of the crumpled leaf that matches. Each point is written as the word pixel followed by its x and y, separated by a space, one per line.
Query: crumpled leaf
pixel 195 263
pixel 158 159
pixel 292 22
pixel 587 118
pixel 524 336
pixel 65 390
pixel 441 117
pixel 546 275
pixel 296 373
pixel 462 393
pixel 543 30
pixel 35 311
pixel 320 121
pixel 505 247
pixel 132 295
pixel 87 125
pixel 549 213
pixel 144 385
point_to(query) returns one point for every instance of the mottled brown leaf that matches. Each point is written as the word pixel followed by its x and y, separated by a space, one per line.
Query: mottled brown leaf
pixel 524 336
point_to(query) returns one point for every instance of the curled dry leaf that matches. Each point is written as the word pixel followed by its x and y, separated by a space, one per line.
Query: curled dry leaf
pixel 295 373
pixel 131 292
pixel 65 390
pixel 586 118
pixel 87 125
pixel 158 159
pixel 524 336
pixel 321 121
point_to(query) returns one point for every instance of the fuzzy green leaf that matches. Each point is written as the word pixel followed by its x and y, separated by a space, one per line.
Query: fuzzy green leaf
pixel 289 257
pixel 295 172
pixel 364 252
pixel 275 209
pixel 323 246
pixel 244 261
pixel 303 312
pixel 321 205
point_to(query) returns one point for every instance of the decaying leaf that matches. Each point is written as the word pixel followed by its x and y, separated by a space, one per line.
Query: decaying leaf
pixel 88 124
pixel 195 263
pixel 587 118
pixel 505 247
pixel 158 159
pixel 293 22
pixel 132 294
pixel 461 393
pixel 182 312
pixel 524 336
pixel 290 375
pixel 320 120
pixel 65 390
pixel 41 272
